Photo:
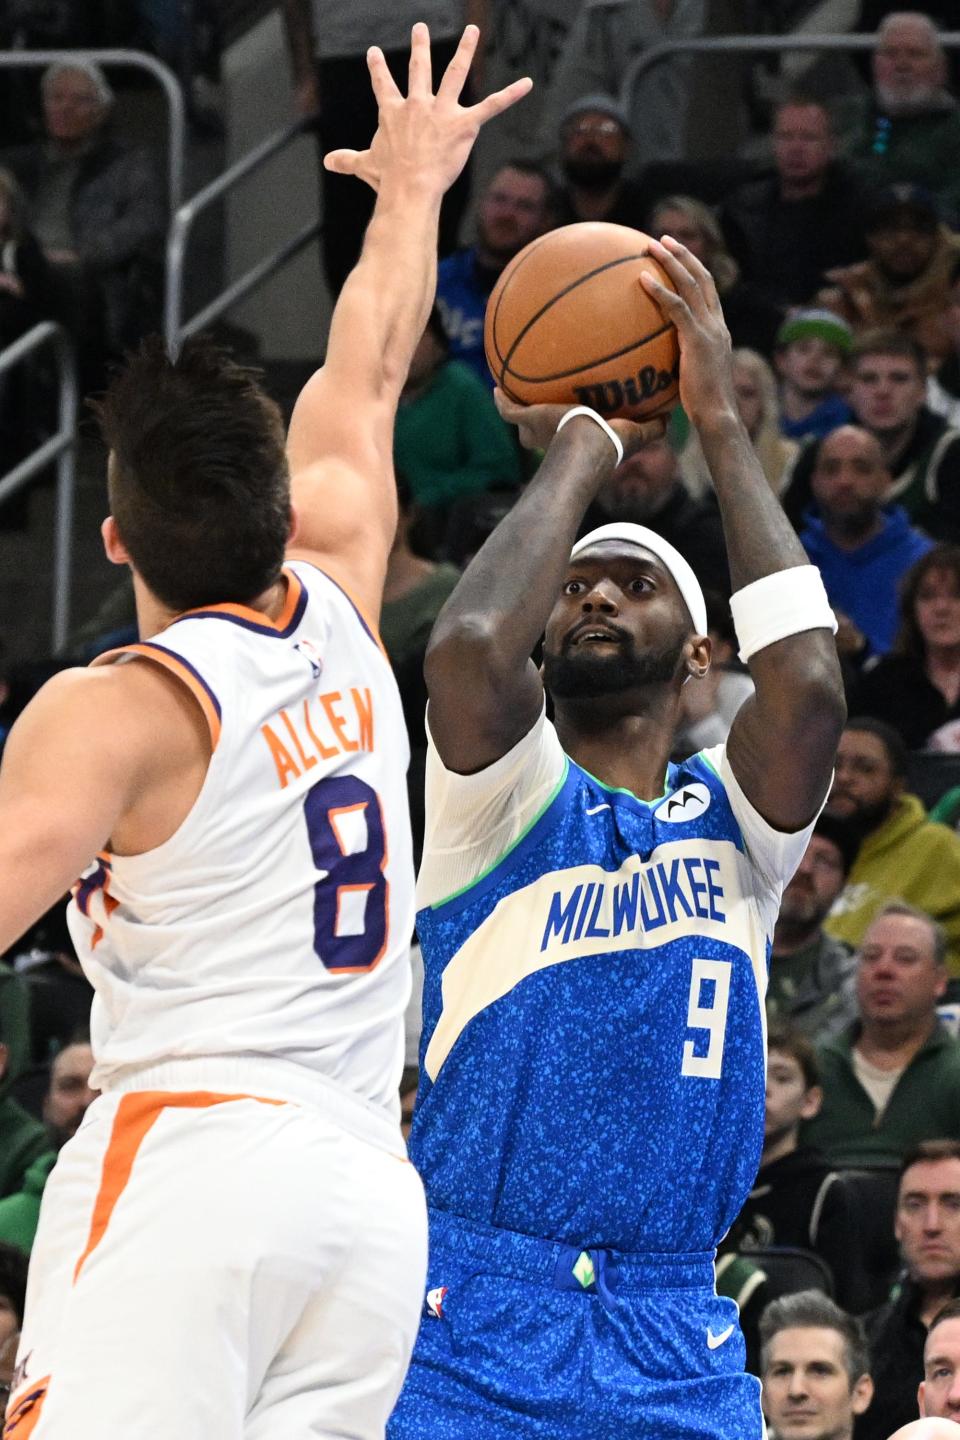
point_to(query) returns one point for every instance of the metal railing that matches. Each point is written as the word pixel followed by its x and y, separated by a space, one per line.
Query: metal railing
pixel 175 327
pixel 751 45
pixel 61 447
pixel 131 59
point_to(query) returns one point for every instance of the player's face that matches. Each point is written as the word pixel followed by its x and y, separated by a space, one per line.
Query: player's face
pixel 802 147
pixel 927 1224
pixel 864 784
pixel 898 979
pixel 69 1094
pixel 618 625
pixel 513 212
pixel 887 392
pixel 816 883
pixel 937 609
pixel 807 1393
pixel 810 365
pixel 940 1387
pixel 789 1098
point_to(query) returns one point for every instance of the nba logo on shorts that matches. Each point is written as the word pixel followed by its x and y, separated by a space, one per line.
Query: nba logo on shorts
pixel 435 1299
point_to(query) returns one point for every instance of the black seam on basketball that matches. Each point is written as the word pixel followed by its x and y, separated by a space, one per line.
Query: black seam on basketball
pixel 587 364
pixel 534 245
pixel 580 280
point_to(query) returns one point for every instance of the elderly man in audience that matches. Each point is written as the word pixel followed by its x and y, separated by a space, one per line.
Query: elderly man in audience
pixel 97 205
pixel 927 1228
pixel 815 1368
pixel 911 129
pixel 901 853
pixel 788 230
pixel 893 1078
pixel 811 985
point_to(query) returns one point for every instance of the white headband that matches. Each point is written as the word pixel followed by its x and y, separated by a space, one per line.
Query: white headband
pixel 687 582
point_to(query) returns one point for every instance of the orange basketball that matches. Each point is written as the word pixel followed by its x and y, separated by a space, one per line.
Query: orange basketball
pixel 569 323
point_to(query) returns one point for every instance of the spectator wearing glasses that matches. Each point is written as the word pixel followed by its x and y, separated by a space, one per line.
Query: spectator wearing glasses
pixel 594 152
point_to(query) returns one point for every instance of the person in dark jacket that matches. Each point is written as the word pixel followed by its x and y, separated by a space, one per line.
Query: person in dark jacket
pixel 97 204
pixel 916 688
pixel 927 1228
pixel 787 230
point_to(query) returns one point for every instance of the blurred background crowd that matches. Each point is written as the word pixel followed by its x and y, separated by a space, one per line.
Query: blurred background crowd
pixel 821 188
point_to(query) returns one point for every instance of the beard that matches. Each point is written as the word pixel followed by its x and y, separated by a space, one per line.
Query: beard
pixel 589 173
pixel 865 818
pixel 576 674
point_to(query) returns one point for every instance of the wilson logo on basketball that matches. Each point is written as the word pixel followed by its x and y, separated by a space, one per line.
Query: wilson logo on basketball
pixel 613 397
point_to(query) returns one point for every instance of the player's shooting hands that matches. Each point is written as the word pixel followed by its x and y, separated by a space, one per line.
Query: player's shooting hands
pixel 537 424
pixel 423 140
pixel 706 374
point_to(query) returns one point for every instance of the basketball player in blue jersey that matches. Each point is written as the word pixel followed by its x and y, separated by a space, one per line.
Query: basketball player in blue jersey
pixel 232 1246
pixel 595 924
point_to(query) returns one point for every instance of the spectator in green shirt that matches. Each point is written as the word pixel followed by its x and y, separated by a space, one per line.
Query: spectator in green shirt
pixel 449 440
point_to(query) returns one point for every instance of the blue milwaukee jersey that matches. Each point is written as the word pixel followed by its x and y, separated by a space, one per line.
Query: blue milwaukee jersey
pixel 593 1049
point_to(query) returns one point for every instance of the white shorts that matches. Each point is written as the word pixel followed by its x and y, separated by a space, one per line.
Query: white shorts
pixel 219 1268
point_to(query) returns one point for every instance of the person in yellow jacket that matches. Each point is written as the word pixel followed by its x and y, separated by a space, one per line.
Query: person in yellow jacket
pixel 903 854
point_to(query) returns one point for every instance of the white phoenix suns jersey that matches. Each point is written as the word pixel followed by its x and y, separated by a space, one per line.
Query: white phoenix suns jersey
pixel 276 921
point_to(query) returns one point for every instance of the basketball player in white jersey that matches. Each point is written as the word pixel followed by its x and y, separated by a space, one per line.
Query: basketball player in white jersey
pixel 233 1245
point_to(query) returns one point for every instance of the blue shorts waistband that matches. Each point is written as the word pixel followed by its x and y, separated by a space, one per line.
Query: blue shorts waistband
pixel 567 1267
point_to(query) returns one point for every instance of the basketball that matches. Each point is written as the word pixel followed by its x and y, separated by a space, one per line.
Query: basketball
pixel 569 323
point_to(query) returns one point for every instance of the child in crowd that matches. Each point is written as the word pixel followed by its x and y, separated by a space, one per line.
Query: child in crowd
pixel 812 348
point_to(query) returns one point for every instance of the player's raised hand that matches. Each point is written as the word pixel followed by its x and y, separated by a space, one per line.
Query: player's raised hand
pixel 537 424
pixel 706 374
pixel 423 140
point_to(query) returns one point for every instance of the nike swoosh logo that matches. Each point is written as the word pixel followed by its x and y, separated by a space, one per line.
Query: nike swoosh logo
pixel 715 1341
pixel 596 809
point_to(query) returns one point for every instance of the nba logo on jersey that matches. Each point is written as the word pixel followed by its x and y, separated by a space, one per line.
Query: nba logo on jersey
pixel 435 1299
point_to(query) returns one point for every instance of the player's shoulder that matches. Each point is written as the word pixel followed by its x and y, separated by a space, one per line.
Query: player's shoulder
pixel 106 701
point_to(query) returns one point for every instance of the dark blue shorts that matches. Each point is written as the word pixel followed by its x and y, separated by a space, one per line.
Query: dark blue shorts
pixel 525 1339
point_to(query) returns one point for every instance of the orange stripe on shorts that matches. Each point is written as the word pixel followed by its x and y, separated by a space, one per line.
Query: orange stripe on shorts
pixel 23 1410
pixel 135 1117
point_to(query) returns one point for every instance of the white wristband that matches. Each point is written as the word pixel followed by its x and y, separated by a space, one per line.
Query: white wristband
pixel 785 603
pixel 592 415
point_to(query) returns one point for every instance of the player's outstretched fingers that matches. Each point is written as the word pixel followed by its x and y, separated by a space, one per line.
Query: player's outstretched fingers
pixel 455 76
pixel 502 100
pixel 674 305
pixel 420 69
pixel 344 162
pixel 686 282
pixel 384 85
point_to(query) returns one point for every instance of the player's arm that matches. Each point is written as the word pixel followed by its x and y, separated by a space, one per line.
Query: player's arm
pixel 485 691
pixel 83 753
pixel 340 446
pixel 783 742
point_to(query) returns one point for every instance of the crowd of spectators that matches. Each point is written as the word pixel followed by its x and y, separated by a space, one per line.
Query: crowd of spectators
pixel 837 259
